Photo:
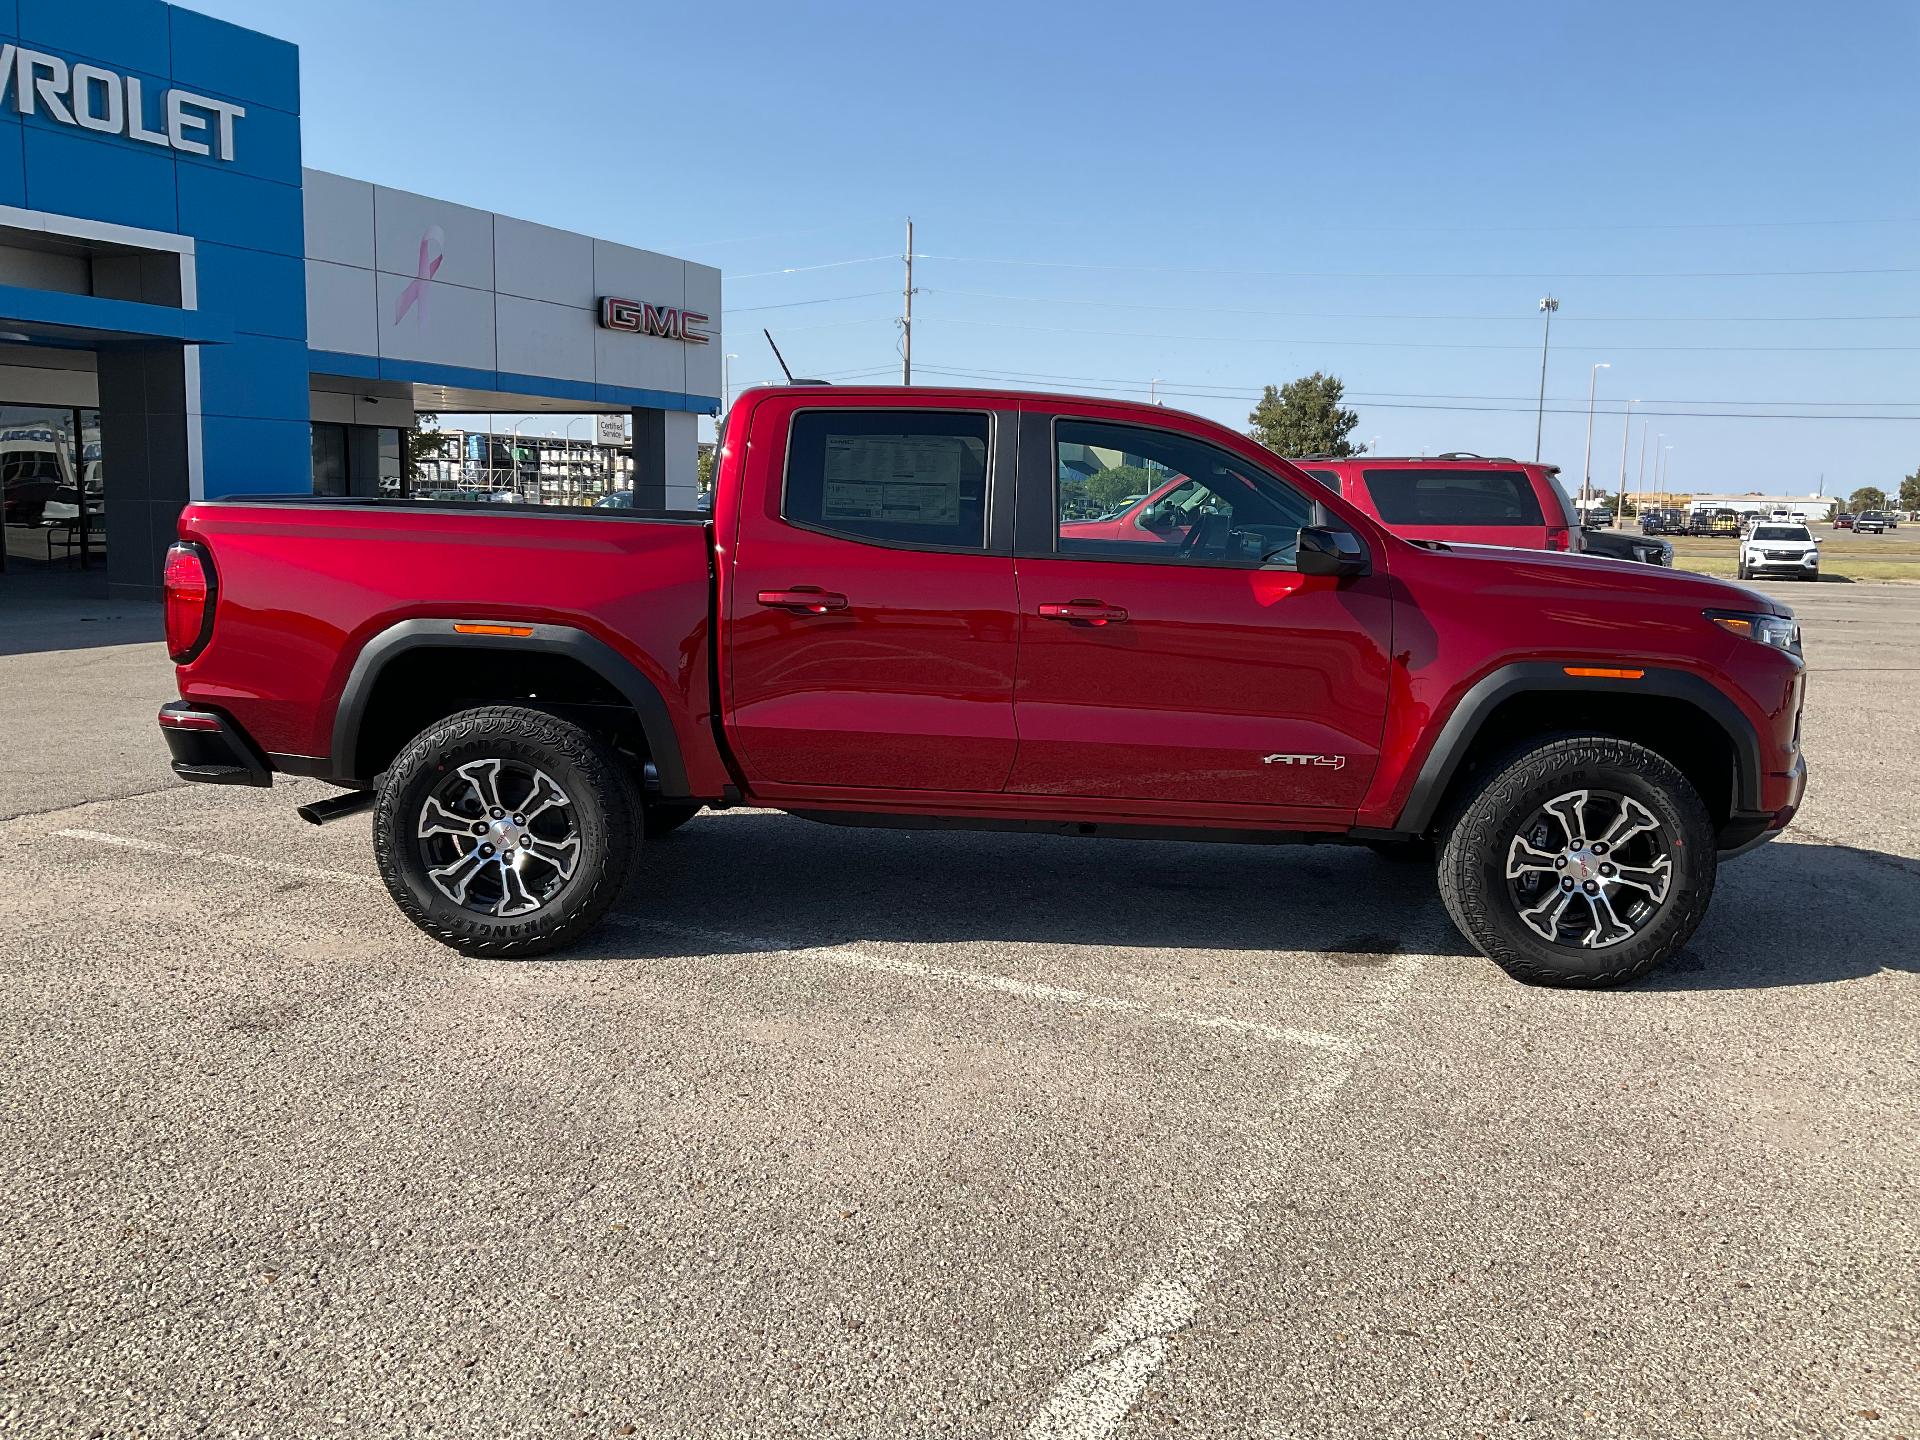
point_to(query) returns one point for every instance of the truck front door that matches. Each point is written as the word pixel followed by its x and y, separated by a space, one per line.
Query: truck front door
pixel 871 602
pixel 1186 664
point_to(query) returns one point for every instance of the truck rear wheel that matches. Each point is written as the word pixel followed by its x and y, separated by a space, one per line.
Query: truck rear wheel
pixel 1586 861
pixel 505 831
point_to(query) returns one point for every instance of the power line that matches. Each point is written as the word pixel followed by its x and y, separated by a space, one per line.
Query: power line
pixel 823 300
pixel 1406 344
pixel 1148 387
pixel 1415 274
pixel 1438 395
pixel 1387 315
pixel 803 269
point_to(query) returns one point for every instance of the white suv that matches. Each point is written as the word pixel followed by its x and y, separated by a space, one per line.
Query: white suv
pixel 1774 549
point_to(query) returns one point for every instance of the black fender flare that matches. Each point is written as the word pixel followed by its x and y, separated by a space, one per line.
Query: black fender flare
pixel 656 722
pixel 1550 676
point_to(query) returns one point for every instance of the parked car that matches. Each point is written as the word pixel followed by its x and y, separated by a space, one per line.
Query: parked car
pixel 841 640
pixel 1780 550
pixel 1656 520
pixel 1870 522
pixel 1843 521
pixel 1456 498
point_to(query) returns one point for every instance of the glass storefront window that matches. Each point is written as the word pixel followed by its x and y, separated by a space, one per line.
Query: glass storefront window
pixel 52 486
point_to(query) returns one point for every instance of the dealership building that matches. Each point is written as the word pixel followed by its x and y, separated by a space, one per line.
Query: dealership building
pixel 187 312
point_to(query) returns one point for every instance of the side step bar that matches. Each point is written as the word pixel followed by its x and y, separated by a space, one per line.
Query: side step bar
pixel 335 806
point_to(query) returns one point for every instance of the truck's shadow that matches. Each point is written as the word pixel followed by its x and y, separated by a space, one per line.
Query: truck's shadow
pixel 1790 914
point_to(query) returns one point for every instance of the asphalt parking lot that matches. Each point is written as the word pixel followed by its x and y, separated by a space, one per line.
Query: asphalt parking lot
pixel 864 1133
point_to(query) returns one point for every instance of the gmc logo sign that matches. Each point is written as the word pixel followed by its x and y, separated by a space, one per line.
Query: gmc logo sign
pixel 669 322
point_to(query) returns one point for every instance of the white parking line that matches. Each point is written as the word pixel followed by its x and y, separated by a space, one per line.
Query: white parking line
pixel 1094 1397
pixel 843 956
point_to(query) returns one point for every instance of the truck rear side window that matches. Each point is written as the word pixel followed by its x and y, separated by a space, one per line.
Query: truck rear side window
pixel 916 477
pixel 1453 497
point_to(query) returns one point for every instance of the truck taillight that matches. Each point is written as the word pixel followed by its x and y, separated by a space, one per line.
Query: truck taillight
pixel 189 583
pixel 1559 538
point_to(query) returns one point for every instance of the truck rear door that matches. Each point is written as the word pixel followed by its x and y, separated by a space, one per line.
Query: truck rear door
pixel 874 619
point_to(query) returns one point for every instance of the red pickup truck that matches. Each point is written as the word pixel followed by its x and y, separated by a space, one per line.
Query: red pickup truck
pixel 885 621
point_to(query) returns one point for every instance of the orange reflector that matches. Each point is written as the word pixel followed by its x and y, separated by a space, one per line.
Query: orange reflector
pixel 521 630
pixel 1738 624
pixel 1594 672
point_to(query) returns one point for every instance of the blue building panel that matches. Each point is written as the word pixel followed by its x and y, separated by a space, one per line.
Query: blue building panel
pixel 125 34
pixel 254 378
pixel 71 172
pixel 230 209
pixel 13 164
pixel 255 457
pixel 217 58
pixel 266 144
pixel 265 293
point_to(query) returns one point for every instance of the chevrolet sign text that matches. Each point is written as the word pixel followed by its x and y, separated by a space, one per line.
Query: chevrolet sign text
pixel 90 97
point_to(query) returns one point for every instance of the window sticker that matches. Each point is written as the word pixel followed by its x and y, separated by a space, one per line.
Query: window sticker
pixel 895 479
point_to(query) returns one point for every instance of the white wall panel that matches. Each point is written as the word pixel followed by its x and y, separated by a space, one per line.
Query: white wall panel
pixel 462 238
pixel 537 262
pixel 339 219
pixel 536 338
pixel 341 313
pixel 453 327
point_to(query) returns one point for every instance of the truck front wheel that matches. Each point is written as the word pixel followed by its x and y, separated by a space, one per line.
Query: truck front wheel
pixel 505 831
pixel 1586 861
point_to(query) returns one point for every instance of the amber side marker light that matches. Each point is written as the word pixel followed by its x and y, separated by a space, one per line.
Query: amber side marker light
pixel 1592 672
pixel 520 630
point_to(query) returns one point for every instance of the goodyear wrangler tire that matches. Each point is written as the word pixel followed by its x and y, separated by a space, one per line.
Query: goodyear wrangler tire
pixel 1586 861
pixel 505 831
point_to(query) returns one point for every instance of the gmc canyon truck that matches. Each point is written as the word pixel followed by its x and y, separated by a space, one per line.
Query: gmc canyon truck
pixel 884 621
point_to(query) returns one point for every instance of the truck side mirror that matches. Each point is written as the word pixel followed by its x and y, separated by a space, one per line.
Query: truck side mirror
pixel 1326 551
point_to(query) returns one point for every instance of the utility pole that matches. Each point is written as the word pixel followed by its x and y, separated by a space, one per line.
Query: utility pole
pixel 1626 431
pixel 906 318
pixel 1547 307
pixel 1586 465
pixel 1642 481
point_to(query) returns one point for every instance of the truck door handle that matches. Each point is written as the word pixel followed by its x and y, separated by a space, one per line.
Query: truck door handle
pixel 1082 612
pixel 803 600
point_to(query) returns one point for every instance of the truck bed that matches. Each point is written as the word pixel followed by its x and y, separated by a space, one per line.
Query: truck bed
pixel 304 583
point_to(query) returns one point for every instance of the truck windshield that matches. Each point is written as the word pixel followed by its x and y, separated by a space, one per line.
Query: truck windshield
pixel 1453 497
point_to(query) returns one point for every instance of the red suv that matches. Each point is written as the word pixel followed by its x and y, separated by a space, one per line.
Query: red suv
pixel 1457 497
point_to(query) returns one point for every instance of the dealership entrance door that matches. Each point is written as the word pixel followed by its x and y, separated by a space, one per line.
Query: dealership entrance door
pixel 52 488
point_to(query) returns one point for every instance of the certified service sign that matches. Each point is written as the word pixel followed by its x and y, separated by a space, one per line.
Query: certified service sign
pixel 91 97
pixel 669 322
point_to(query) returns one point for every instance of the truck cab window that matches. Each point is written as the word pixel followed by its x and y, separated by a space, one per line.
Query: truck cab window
pixel 913 477
pixel 1132 493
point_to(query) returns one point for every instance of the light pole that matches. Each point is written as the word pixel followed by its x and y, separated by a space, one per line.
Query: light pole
pixel 1641 482
pixel 1586 465
pixel 726 383
pixel 513 457
pixel 1547 306
pixel 1666 467
pixel 1626 431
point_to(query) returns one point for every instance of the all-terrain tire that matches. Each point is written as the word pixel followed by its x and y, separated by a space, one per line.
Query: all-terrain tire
pixel 663 817
pixel 1473 857
pixel 605 818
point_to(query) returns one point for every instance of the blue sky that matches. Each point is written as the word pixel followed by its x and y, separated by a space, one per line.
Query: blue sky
pixel 1222 196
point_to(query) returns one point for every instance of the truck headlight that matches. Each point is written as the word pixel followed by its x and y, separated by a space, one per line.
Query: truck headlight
pixel 1779 631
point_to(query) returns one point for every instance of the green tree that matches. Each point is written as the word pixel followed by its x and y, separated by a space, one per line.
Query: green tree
pixel 1867 497
pixel 703 467
pixel 1910 492
pixel 422 441
pixel 1305 417
pixel 1107 488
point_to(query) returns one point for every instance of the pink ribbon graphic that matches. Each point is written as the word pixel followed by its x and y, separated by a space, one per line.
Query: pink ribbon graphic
pixel 433 245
